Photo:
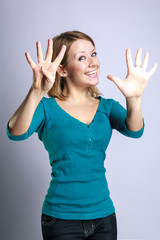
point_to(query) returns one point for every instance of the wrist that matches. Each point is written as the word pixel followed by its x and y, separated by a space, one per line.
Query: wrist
pixel 134 118
pixel 133 102
pixel 36 94
pixel 133 99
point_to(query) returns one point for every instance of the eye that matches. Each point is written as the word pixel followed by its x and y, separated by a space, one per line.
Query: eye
pixel 94 54
pixel 81 58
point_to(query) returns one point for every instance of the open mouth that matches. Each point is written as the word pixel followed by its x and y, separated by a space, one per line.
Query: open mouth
pixel 92 74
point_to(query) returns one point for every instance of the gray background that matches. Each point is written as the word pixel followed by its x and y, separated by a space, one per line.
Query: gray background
pixel 132 165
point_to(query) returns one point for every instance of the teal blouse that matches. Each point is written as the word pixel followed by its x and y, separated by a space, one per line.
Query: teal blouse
pixel 78 187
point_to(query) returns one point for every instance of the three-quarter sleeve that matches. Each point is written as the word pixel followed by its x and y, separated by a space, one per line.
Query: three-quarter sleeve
pixel 35 126
pixel 117 118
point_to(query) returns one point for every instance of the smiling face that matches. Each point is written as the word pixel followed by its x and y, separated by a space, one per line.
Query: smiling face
pixel 82 68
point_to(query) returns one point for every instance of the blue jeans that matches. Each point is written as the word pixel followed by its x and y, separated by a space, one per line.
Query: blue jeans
pixel 95 229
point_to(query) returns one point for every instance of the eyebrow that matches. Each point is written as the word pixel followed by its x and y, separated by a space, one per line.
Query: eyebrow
pixel 83 52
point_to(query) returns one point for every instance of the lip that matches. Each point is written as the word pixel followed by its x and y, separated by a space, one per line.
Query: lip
pixel 91 72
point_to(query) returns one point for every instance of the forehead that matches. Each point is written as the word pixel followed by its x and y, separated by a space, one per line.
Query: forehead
pixel 81 45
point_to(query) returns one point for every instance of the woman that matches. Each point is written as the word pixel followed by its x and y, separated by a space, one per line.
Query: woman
pixel 75 125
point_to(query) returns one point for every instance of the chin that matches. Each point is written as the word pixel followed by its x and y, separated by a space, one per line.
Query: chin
pixel 94 82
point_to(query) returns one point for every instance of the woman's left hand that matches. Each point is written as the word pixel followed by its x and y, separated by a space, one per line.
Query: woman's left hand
pixel 137 76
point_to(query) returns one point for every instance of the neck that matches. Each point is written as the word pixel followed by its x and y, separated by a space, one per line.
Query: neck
pixel 77 95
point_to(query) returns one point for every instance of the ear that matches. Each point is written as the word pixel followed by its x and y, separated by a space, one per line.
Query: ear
pixel 62 71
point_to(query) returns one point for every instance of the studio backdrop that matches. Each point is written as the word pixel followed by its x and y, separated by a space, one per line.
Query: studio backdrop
pixel 132 165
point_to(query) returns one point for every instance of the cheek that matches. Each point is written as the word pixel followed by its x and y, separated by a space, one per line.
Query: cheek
pixel 76 69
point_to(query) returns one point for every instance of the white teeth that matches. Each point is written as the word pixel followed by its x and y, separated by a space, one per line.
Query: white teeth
pixel 90 73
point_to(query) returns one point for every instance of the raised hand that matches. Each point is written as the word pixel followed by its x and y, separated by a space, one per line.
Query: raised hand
pixel 45 71
pixel 137 77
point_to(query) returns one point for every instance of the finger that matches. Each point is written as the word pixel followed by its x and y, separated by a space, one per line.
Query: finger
pixel 138 57
pixel 60 56
pixel 29 60
pixel 39 52
pixel 129 58
pixel 145 61
pixel 152 71
pixel 116 80
pixel 49 50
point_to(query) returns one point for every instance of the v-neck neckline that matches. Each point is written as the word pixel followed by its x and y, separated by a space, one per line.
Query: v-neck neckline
pixel 75 119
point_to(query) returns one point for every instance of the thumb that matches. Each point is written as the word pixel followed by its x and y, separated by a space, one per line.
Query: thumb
pixel 47 74
pixel 116 80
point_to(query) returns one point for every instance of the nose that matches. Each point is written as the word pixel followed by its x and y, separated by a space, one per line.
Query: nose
pixel 92 62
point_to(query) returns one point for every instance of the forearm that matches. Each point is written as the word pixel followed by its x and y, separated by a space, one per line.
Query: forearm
pixel 134 118
pixel 21 119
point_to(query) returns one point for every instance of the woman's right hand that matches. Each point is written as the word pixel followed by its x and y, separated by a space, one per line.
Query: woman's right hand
pixel 45 71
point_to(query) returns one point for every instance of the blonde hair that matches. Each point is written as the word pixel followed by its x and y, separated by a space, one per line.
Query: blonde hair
pixel 67 38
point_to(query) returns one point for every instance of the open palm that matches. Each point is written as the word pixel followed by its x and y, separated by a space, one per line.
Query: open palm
pixel 137 76
pixel 44 72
